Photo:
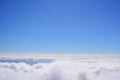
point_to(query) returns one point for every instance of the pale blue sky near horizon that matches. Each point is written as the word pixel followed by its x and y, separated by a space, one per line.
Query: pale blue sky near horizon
pixel 60 26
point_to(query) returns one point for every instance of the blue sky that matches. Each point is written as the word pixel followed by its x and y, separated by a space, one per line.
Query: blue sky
pixel 60 26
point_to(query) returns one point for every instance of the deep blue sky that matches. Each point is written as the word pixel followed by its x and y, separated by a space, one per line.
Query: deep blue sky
pixel 60 26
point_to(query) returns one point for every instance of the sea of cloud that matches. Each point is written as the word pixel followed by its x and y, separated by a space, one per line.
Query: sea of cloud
pixel 61 70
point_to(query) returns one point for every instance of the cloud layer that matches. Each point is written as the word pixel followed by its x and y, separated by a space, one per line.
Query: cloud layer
pixel 61 70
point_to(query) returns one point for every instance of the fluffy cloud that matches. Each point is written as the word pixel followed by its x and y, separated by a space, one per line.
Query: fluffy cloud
pixel 61 70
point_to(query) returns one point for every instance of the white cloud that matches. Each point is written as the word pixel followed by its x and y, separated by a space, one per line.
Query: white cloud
pixel 61 70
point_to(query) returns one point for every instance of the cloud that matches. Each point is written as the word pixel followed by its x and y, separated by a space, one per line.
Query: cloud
pixel 61 70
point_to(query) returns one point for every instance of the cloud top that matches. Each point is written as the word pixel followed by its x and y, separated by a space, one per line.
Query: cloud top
pixel 61 70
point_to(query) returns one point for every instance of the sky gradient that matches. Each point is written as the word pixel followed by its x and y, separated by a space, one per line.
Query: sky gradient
pixel 60 26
